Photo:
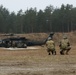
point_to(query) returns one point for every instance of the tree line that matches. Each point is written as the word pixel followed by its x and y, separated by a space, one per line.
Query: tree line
pixel 50 19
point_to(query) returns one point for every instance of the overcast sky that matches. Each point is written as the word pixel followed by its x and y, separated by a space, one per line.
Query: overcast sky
pixel 16 5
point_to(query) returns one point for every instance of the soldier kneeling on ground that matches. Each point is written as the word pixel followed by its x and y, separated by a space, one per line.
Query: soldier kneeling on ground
pixel 50 46
pixel 64 46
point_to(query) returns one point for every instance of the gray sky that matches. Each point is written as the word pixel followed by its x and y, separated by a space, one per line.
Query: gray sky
pixel 16 5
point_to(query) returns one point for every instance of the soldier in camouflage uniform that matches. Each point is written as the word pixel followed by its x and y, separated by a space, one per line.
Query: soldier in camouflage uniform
pixel 50 46
pixel 64 45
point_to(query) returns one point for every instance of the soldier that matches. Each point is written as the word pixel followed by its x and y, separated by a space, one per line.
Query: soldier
pixel 64 45
pixel 50 46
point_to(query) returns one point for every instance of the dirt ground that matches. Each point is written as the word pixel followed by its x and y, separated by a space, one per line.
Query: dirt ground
pixel 36 61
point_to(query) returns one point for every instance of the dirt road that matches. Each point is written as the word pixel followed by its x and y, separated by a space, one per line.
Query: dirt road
pixel 36 62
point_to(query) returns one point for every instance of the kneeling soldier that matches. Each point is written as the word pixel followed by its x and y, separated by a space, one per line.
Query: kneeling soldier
pixel 50 46
pixel 64 45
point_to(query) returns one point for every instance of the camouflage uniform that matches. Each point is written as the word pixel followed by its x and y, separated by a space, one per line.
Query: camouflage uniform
pixel 64 46
pixel 50 46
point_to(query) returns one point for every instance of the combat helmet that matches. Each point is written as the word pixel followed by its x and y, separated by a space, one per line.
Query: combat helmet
pixel 49 38
pixel 64 36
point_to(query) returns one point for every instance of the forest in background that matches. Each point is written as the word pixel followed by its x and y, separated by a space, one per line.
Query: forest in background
pixel 50 19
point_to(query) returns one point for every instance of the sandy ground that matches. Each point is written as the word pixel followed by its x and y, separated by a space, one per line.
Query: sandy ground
pixel 36 61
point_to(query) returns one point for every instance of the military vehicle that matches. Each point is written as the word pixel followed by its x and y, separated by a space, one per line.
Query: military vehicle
pixel 21 42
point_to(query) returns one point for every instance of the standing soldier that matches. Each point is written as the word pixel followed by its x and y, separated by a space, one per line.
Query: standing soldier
pixel 50 46
pixel 64 45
